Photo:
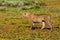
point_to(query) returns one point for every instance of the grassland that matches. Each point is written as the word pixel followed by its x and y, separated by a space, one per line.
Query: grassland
pixel 14 27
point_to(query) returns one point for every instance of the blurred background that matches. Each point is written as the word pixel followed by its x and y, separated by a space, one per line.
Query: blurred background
pixel 14 27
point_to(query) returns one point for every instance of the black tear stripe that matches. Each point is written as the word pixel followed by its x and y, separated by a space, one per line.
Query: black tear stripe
pixel 43 21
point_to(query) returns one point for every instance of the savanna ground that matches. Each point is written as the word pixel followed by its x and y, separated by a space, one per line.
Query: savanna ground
pixel 15 27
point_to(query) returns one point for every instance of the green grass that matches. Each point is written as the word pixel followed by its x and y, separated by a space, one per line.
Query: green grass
pixel 14 27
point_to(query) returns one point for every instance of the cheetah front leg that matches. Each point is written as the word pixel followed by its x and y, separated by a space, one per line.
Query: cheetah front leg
pixel 32 24
pixel 43 25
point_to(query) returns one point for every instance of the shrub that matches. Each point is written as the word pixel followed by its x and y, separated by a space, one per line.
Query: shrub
pixel 27 3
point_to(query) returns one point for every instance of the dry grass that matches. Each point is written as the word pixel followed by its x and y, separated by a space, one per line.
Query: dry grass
pixel 14 27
